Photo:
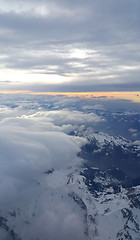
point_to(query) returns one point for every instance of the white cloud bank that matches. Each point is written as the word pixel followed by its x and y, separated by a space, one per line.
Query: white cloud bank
pixel 37 157
pixel 64 120
pixel 35 202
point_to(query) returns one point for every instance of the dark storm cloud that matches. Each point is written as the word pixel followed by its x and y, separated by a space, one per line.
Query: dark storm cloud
pixel 43 38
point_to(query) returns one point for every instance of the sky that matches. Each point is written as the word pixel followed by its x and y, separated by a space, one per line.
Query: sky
pixel 70 45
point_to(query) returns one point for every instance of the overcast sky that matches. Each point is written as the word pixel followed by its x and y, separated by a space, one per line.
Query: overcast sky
pixel 72 45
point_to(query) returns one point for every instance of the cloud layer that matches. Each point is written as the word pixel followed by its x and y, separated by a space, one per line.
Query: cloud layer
pixel 40 165
pixel 73 43
pixel 37 157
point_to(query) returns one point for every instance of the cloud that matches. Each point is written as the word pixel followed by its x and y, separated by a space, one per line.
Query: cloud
pixel 33 200
pixel 67 117
pixel 39 163
pixel 92 43
pixel 28 140
pixel 64 120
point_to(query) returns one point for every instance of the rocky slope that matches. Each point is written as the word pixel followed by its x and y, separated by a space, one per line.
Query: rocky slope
pixel 104 191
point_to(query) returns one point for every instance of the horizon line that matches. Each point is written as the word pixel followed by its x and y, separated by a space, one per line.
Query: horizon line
pixel 133 96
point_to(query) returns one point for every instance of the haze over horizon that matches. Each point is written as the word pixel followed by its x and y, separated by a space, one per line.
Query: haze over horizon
pixel 70 46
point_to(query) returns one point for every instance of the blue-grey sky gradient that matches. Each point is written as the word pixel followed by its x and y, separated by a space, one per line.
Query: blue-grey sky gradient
pixel 70 44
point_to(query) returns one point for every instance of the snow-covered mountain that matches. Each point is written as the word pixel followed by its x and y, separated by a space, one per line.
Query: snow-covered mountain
pixel 102 196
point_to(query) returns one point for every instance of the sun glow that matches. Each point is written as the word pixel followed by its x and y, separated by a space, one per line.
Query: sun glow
pixel 78 53
pixel 132 96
